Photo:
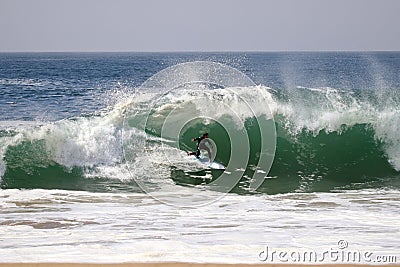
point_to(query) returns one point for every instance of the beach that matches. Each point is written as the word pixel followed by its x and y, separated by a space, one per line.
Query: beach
pixel 181 264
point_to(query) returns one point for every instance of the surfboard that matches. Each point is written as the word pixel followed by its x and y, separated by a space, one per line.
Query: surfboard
pixel 210 165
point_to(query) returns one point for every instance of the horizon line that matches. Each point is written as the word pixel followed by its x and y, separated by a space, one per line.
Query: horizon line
pixel 195 51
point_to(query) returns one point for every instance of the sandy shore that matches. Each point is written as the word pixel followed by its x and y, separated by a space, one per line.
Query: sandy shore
pixel 172 264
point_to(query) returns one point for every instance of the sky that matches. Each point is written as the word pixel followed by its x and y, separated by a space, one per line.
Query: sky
pixel 202 25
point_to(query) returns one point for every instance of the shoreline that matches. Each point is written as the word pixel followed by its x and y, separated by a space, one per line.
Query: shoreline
pixel 184 264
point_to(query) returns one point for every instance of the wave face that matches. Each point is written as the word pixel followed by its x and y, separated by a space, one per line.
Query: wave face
pixel 327 139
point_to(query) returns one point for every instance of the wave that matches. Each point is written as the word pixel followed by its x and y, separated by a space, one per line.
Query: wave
pixel 29 82
pixel 326 139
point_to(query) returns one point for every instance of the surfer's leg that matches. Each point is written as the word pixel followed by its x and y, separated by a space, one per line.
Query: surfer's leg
pixel 195 153
pixel 209 153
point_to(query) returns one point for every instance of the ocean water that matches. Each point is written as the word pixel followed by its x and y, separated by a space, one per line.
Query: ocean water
pixel 93 166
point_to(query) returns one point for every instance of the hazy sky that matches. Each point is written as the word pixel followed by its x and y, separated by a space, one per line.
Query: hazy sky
pixel 203 25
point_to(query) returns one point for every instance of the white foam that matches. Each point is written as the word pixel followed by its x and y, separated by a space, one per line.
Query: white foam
pixel 387 129
pixel 132 227
pixel 238 102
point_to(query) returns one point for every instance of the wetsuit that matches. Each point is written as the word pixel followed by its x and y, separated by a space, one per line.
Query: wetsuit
pixel 203 146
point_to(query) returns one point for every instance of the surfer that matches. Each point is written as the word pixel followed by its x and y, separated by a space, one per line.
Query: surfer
pixel 201 145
